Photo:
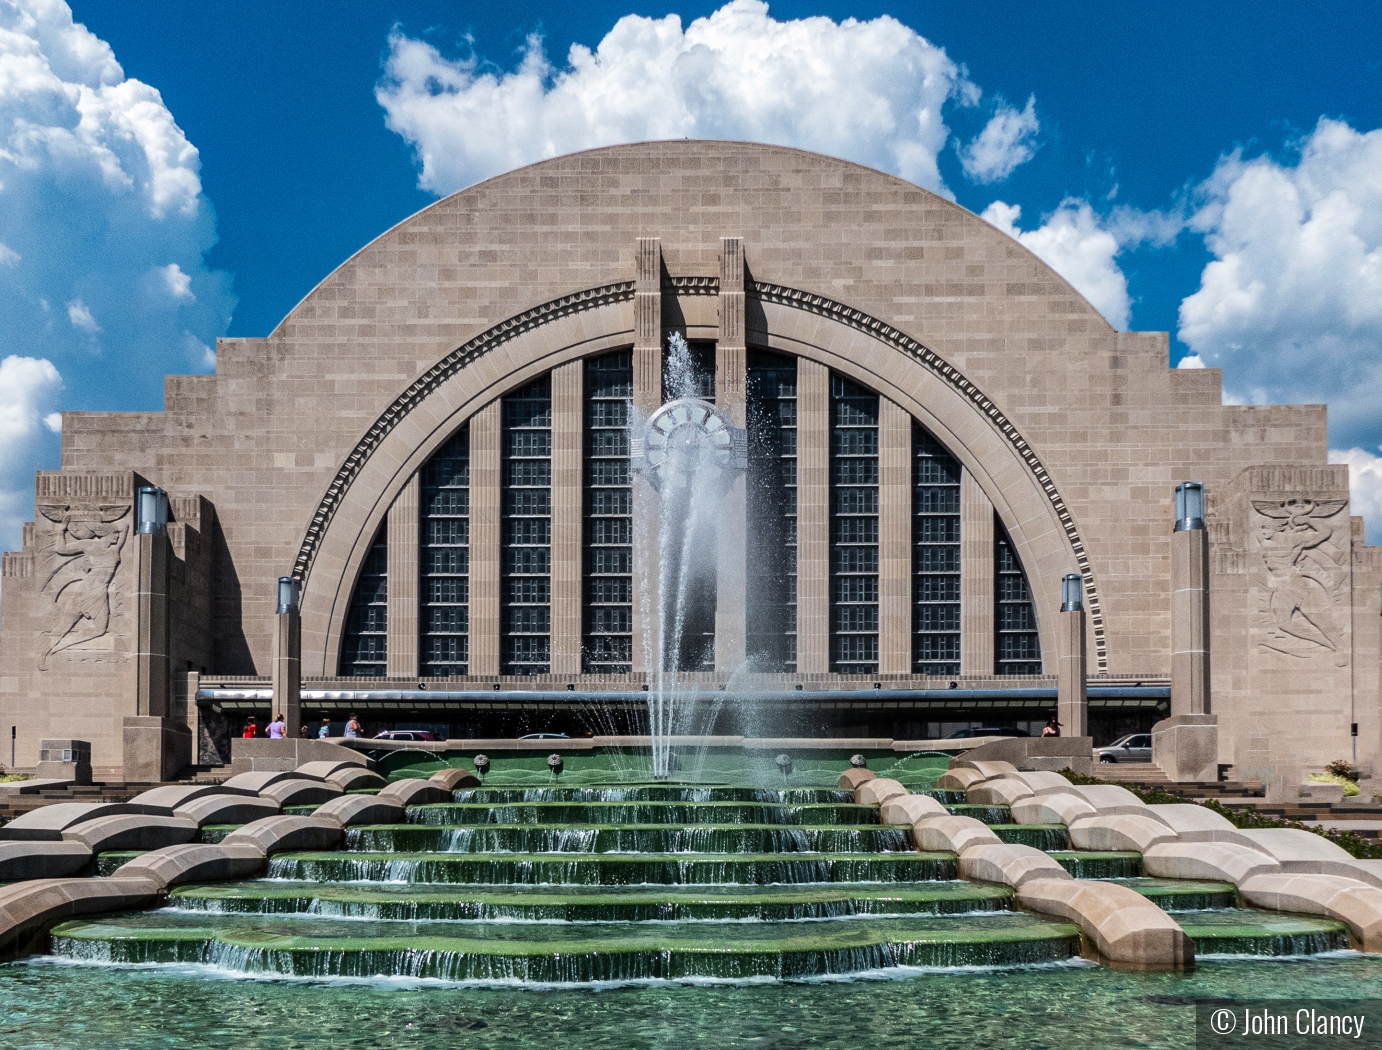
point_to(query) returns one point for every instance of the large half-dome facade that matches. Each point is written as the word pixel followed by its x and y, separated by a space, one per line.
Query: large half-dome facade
pixel 436 443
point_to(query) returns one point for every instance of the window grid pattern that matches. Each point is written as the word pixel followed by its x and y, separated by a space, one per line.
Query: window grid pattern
pixel 365 648
pixel 1018 645
pixel 935 557
pixel 772 491
pixel 608 512
pixel 446 559
pixel 853 528
pixel 526 531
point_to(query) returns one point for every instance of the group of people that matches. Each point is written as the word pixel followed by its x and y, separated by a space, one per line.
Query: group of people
pixel 278 729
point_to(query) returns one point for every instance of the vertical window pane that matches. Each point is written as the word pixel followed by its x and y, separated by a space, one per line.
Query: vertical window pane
pixel 607 643
pixel 525 530
pixel 772 511
pixel 935 557
pixel 445 571
pixel 853 528
pixel 364 649
pixel 1018 644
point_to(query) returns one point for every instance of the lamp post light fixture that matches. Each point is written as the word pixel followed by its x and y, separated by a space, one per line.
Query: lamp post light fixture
pixel 151 511
pixel 1072 593
pixel 1189 506
pixel 289 591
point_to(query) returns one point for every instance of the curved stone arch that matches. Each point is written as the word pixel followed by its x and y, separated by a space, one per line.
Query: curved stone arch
pixel 593 321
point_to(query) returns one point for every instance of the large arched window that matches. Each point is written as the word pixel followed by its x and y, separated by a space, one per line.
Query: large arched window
pixel 935 556
pixel 445 571
pixel 366 643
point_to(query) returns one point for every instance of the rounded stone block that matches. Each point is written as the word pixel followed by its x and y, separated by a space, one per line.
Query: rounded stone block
pixel 356 778
pixel 1125 927
pixel 908 809
pixel 227 809
pixel 322 769
pixel 176 865
pixel 1050 809
pixel 28 909
pixel 1207 861
pixel 414 793
pixel 21 861
pixel 254 783
pixel 171 796
pixel 49 822
pixel 950 834
pixel 1347 900
pixel 297 792
pixel 1193 823
pixel 961 778
pixel 850 779
pixel 1302 852
pixel 349 810
pixel 1008 865
pixel 1119 833
pixel 132 831
pixel 1042 782
pixel 285 833
pixel 1001 791
pixel 454 778
pixel 1110 799
pixel 987 769
pixel 877 791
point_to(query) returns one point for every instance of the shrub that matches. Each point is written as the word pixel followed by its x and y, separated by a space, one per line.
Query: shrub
pixel 1350 786
pixel 1343 768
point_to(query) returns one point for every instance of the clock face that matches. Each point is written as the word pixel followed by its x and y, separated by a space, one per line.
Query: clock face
pixel 687 437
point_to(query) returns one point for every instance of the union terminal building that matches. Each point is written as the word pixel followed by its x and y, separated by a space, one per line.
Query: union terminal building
pixel 441 444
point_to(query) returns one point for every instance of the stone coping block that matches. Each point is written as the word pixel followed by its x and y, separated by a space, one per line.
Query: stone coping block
pixel 986 769
pixel 349 810
pixel 35 785
pixel 961 778
pixel 908 809
pixel 877 791
pixel 175 865
pixel 285 833
pixel 296 792
pixel 454 777
pixel 1347 900
pixel 1051 809
pixel 254 783
pixel 227 809
pixel 1305 853
pixel 949 834
pixel 49 822
pixel 1118 833
pixel 1209 861
pixel 21 861
pixel 132 831
pixel 1110 799
pixel 171 796
pixel 1126 928
pixel 1317 791
pixel 1008 864
pixel 1042 782
pixel 414 793
pixel 1193 823
pixel 353 778
pixel 1001 791
pixel 851 778
pixel 29 909
pixel 322 768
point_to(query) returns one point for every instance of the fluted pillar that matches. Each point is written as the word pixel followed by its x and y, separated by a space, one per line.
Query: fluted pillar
pixel 894 539
pixel 813 517
pixel 485 467
pixel 731 384
pixel 978 570
pixel 403 540
pixel 647 398
pixel 567 441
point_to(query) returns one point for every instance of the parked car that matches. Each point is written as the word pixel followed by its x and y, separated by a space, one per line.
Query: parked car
pixel 404 734
pixel 544 736
pixel 968 734
pixel 1135 747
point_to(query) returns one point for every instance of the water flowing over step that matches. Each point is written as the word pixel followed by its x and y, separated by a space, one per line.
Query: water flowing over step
pixel 1247 931
pixel 647 838
pixel 447 814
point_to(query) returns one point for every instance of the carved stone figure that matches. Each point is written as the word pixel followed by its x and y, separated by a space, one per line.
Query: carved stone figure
pixel 1306 574
pixel 76 562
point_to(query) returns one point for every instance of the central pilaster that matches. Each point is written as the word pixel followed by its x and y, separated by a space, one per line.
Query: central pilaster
pixel 647 398
pixel 731 381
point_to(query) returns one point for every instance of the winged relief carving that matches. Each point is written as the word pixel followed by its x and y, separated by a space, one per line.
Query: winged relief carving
pixel 77 554
pixel 1306 557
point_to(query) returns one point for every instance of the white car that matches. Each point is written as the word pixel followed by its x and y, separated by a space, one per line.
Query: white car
pixel 1135 747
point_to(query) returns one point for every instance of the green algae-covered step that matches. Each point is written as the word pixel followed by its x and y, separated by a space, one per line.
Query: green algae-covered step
pixel 450 814
pixel 1247 931
pixel 645 838
pixel 211 834
pixel 565 953
pixel 594 904
pixel 1183 894
pixel 984 814
pixel 1039 836
pixel 613 869
pixel 107 863
pixel 1085 865
pixel 655 793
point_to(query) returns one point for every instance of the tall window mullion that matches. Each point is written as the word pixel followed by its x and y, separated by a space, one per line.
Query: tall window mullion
pixel 526 531
pixel 446 559
pixel 935 557
pixel 364 649
pixel 853 528
pixel 608 510
pixel 772 511
pixel 1018 645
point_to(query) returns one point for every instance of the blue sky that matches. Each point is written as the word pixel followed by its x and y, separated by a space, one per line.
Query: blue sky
pixel 175 172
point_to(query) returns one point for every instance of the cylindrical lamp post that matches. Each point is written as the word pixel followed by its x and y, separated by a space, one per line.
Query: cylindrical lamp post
pixel 1072 703
pixel 287 681
pixel 1190 603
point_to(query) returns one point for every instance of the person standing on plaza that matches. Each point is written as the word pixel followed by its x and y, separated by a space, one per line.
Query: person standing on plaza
pixel 325 731
pixel 251 729
pixel 353 727
pixel 277 728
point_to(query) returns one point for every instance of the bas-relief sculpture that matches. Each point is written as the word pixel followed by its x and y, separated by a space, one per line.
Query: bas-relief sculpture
pixel 1306 556
pixel 78 553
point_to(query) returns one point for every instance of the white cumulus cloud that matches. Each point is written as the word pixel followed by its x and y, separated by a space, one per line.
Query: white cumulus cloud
pixel 872 92
pixel 104 229
pixel 1291 305
pixel 1075 243
pixel 1008 140
pixel 1365 487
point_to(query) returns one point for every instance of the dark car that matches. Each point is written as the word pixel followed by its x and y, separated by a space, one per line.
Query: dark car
pixel 968 734
pixel 404 734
